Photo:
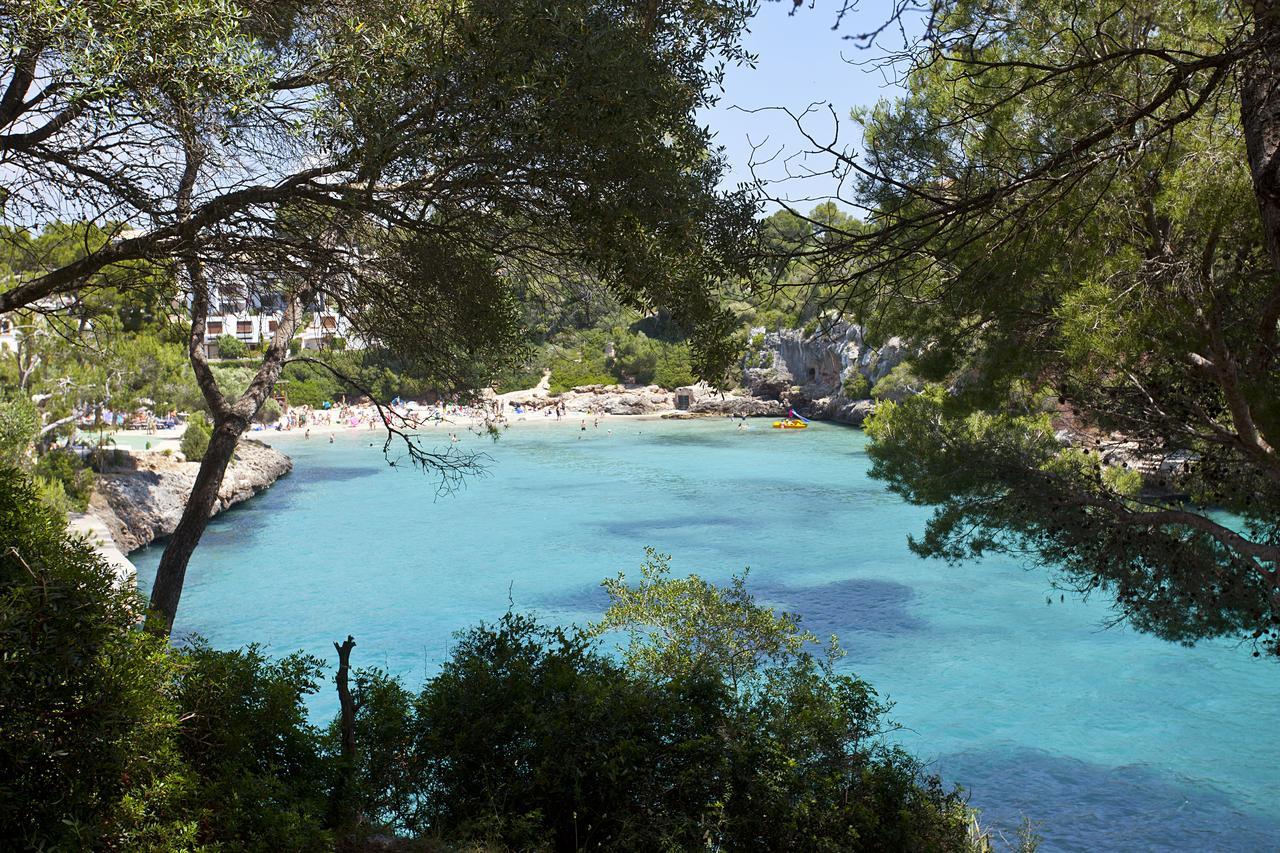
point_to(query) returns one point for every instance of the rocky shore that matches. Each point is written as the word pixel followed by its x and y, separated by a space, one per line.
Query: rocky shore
pixel 140 498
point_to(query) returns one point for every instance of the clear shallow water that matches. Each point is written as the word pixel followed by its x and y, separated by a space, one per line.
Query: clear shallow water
pixel 1110 739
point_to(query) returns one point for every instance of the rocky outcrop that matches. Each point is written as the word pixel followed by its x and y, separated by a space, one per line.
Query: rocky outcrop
pixel 618 399
pixel 811 371
pixel 141 499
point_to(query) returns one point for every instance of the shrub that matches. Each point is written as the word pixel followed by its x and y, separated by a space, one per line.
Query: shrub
pixel 674 368
pixel 66 468
pixel 262 775
pixel 85 740
pixel 898 384
pixel 572 369
pixel 856 386
pixel 295 346
pixel 195 438
pixel 19 423
pixel 229 346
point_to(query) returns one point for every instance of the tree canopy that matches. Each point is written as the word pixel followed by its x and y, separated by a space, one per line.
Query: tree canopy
pixel 409 165
pixel 1075 211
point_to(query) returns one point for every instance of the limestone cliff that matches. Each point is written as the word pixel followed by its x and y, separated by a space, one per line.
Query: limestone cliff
pixel 809 371
pixel 141 499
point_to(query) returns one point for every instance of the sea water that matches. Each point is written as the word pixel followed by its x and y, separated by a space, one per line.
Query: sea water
pixel 1106 738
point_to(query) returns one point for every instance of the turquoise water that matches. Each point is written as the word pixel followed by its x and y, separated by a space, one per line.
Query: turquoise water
pixel 1111 740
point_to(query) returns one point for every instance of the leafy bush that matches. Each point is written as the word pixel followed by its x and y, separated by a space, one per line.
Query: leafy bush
pixel 19 423
pixel 898 384
pixel 674 369
pixel 53 495
pixel 229 346
pixel 195 438
pixel 85 735
pixel 263 776
pixel 856 386
pixel 66 468
pixel 571 370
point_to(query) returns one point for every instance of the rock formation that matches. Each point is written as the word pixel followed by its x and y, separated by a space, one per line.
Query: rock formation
pixel 618 399
pixel 142 498
pixel 809 371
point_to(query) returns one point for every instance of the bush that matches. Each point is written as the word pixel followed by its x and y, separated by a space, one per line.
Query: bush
pixel 898 384
pixel 19 423
pixel 229 346
pixel 674 369
pixel 530 738
pixel 195 438
pixel 856 386
pixel 85 744
pixel 295 346
pixel 570 370
pixel 263 778
pixel 76 478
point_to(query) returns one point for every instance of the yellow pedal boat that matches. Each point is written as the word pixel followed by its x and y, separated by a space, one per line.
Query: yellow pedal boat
pixel 790 424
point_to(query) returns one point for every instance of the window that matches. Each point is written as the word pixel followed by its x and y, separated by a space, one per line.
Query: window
pixel 272 325
pixel 244 327
pixel 329 323
pixel 213 327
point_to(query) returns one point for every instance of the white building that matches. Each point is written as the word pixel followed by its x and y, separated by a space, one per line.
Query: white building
pixel 321 332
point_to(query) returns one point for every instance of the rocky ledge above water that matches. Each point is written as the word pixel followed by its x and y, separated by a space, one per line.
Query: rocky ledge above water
pixel 142 498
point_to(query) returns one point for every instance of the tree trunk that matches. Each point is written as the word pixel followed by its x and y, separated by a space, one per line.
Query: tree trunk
pixel 195 518
pixel 345 806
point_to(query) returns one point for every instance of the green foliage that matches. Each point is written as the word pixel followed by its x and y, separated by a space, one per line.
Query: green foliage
pixel 19 424
pixel 898 384
pixel 53 494
pixel 721 730
pixel 856 386
pixel 1027 231
pixel 529 737
pixel 569 370
pixel 229 346
pixel 195 438
pixel 674 368
pixel 1003 482
pixel 66 468
pixel 262 773
pixel 681 626
pixel 88 714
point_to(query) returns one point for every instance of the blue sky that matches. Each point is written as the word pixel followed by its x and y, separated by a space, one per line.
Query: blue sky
pixel 801 61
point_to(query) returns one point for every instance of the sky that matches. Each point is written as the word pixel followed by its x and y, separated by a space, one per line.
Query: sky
pixel 801 62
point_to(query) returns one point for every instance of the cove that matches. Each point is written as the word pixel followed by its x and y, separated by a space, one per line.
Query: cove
pixel 1109 739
